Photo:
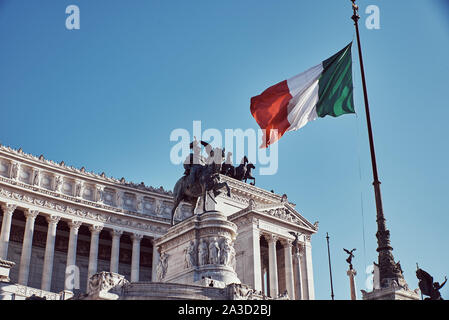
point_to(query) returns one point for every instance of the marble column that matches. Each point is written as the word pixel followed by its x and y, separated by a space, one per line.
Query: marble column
pixel 8 210
pixel 93 252
pixel 297 263
pixel 255 251
pixel 289 276
pixel 265 282
pixel 250 265
pixel 154 263
pixel 115 250
pixel 303 271
pixel 272 266
pixel 47 270
pixel 307 270
pixel 135 261
pixel 27 244
pixel 71 270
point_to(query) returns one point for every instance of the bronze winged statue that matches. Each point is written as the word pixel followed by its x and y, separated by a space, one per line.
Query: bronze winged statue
pixel 428 287
pixel 351 255
pixel 296 241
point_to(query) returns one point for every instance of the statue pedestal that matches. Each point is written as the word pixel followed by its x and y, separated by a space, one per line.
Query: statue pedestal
pixel 351 274
pixel 393 291
pixel 198 250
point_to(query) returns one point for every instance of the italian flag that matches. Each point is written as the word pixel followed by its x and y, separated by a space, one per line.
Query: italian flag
pixel 325 89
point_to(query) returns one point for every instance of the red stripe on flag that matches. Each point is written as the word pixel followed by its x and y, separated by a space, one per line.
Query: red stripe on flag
pixel 270 110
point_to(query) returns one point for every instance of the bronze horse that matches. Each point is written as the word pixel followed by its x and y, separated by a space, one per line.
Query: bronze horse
pixel 243 171
pixel 208 179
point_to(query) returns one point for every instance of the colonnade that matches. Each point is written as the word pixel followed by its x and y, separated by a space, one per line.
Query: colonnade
pixel 74 225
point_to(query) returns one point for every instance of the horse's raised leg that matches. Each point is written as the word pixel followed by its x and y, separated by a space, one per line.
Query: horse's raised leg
pixel 204 199
pixel 225 184
pixel 194 203
pixel 220 186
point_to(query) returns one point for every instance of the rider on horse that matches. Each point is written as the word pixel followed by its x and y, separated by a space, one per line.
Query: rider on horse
pixel 195 161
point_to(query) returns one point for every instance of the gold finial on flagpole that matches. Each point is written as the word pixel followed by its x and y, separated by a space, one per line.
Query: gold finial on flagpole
pixel 355 7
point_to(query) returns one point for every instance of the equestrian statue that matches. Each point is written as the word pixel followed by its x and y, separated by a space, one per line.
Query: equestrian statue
pixel 241 172
pixel 201 176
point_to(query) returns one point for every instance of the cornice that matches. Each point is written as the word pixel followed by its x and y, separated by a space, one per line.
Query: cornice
pixel 62 168
pixel 76 211
pixel 254 192
pixel 281 213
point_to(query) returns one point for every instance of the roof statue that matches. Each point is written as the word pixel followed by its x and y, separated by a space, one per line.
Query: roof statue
pixel 242 172
pixel 428 287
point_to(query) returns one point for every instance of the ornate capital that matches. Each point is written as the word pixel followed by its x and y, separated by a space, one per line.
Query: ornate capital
pixel 31 214
pixel 8 208
pixel 74 224
pixel 254 221
pixel 287 242
pixel 270 237
pixel 95 228
pixel 53 219
pixel 116 233
pixel 136 237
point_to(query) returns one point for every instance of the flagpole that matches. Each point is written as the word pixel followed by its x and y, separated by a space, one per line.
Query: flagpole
pixel 388 269
pixel 330 268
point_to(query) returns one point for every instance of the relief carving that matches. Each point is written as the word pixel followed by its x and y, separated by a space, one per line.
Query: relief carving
pixel 14 171
pixel 36 178
pixel 214 252
pixel 162 266
pixel 203 253
pixel 58 184
pixel 190 255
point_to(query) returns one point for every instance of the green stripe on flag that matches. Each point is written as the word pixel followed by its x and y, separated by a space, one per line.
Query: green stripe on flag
pixel 335 85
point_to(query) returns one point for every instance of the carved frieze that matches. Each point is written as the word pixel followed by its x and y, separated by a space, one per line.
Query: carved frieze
pixel 29 158
pixel 100 217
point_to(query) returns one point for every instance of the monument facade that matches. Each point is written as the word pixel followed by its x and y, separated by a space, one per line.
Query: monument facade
pixel 63 229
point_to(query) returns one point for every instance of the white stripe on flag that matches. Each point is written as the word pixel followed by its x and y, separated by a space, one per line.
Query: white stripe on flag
pixel 304 90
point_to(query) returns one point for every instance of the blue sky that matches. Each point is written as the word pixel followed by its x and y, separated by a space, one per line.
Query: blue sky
pixel 107 97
